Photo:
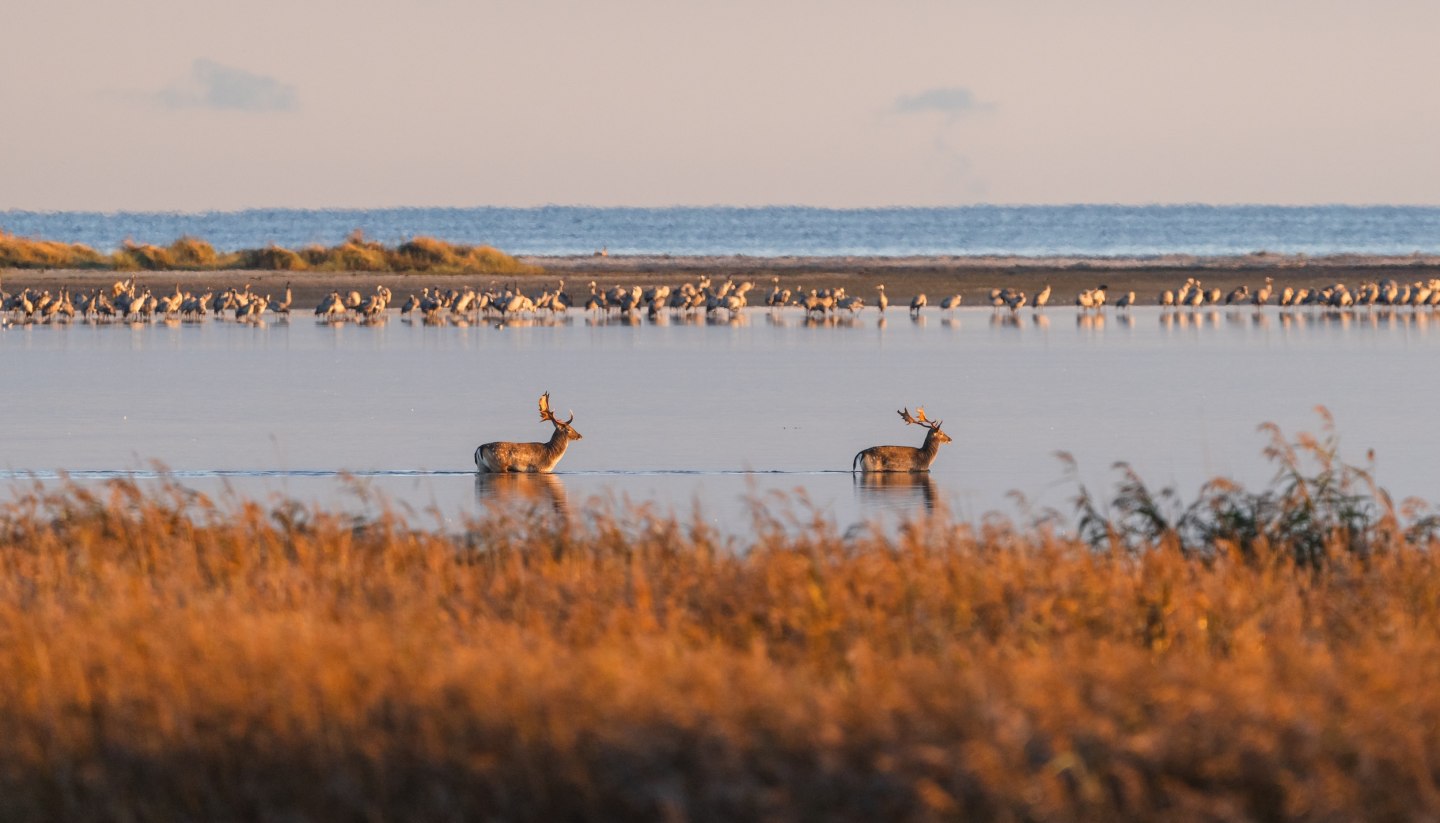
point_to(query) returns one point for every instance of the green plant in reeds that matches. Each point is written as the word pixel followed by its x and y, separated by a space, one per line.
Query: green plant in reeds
pixel 1316 503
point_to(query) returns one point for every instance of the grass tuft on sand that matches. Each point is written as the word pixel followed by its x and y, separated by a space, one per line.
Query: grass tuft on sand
pixel 356 254
pixel 24 253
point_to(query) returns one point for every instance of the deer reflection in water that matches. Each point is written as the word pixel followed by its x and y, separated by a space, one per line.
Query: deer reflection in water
pixel 532 491
pixel 897 491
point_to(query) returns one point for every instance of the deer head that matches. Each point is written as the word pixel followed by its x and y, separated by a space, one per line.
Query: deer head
pixel 560 425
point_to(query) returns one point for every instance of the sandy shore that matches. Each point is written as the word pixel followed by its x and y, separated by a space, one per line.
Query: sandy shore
pixel 973 277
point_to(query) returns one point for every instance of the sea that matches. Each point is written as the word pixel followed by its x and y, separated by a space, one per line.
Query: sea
pixel 1101 231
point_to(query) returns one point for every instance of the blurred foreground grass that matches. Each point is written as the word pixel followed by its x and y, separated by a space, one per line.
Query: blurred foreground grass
pixel 166 657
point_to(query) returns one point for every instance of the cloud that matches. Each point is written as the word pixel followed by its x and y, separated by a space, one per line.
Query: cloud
pixel 951 101
pixel 211 85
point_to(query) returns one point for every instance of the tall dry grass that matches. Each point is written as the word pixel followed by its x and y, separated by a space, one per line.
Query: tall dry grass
pixel 25 253
pixel 169 658
pixel 191 253
pixel 186 253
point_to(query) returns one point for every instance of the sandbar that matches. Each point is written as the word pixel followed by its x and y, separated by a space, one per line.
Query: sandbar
pixel 936 276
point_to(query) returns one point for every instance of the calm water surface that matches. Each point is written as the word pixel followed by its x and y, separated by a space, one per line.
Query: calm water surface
pixel 765 407
pixel 1088 230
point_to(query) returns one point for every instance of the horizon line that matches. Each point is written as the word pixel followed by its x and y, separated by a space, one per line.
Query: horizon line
pixel 734 207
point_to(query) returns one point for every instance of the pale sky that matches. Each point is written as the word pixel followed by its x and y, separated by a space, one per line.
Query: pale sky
pixel 191 105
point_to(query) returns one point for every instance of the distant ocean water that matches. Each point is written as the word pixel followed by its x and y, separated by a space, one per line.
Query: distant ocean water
pixel 1030 231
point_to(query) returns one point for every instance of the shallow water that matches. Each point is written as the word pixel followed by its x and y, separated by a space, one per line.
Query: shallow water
pixel 720 413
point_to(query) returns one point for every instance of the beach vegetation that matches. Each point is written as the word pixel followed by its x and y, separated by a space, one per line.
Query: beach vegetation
pixel 25 253
pixel 271 258
pixel 193 253
pixel 169 655
pixel 356 253
pixel 186 253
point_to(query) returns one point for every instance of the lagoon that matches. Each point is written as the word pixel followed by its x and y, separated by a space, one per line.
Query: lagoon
pixel 717 414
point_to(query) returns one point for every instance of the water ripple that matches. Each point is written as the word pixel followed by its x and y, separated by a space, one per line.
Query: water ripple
pixel 190 474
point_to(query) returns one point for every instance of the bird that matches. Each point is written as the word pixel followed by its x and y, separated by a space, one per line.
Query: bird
pixel 773 299
pixel 283 307
pixel 1262 295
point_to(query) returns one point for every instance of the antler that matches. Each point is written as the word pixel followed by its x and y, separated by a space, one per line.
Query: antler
pixel 919 418
pixel 547 415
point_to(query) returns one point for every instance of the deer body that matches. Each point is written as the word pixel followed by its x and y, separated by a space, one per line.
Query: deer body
pixel 504 456
pixel 903 458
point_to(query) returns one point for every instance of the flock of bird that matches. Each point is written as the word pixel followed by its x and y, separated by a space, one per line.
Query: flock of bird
pixel 125 300
pixel 1194 294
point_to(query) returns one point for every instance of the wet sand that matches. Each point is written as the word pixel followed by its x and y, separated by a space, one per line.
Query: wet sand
pixel 903 277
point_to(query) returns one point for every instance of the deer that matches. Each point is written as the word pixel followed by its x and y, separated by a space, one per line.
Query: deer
pixel 904 458
pixel 502 456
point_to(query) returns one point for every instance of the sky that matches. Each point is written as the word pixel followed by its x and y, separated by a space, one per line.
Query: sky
pixel 198 105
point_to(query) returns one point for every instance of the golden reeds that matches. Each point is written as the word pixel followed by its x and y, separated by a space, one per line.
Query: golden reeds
pixel 271 258
pixel 167 658
pixel 190 253
pixel 24 253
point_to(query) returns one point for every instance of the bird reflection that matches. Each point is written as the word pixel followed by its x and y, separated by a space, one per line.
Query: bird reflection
pixel 527 489
pixel 728 319
pixel 903 491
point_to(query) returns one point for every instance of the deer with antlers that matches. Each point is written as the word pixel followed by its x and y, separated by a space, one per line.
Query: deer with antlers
pixel 904 458
pixel 503 456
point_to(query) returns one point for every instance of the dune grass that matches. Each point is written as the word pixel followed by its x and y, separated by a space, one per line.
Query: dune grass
pixel 194 254
pixel 167 657
pixel 23 253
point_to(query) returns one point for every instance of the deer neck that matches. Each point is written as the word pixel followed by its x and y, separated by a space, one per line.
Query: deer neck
pixel 557 442
pixel 931 446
